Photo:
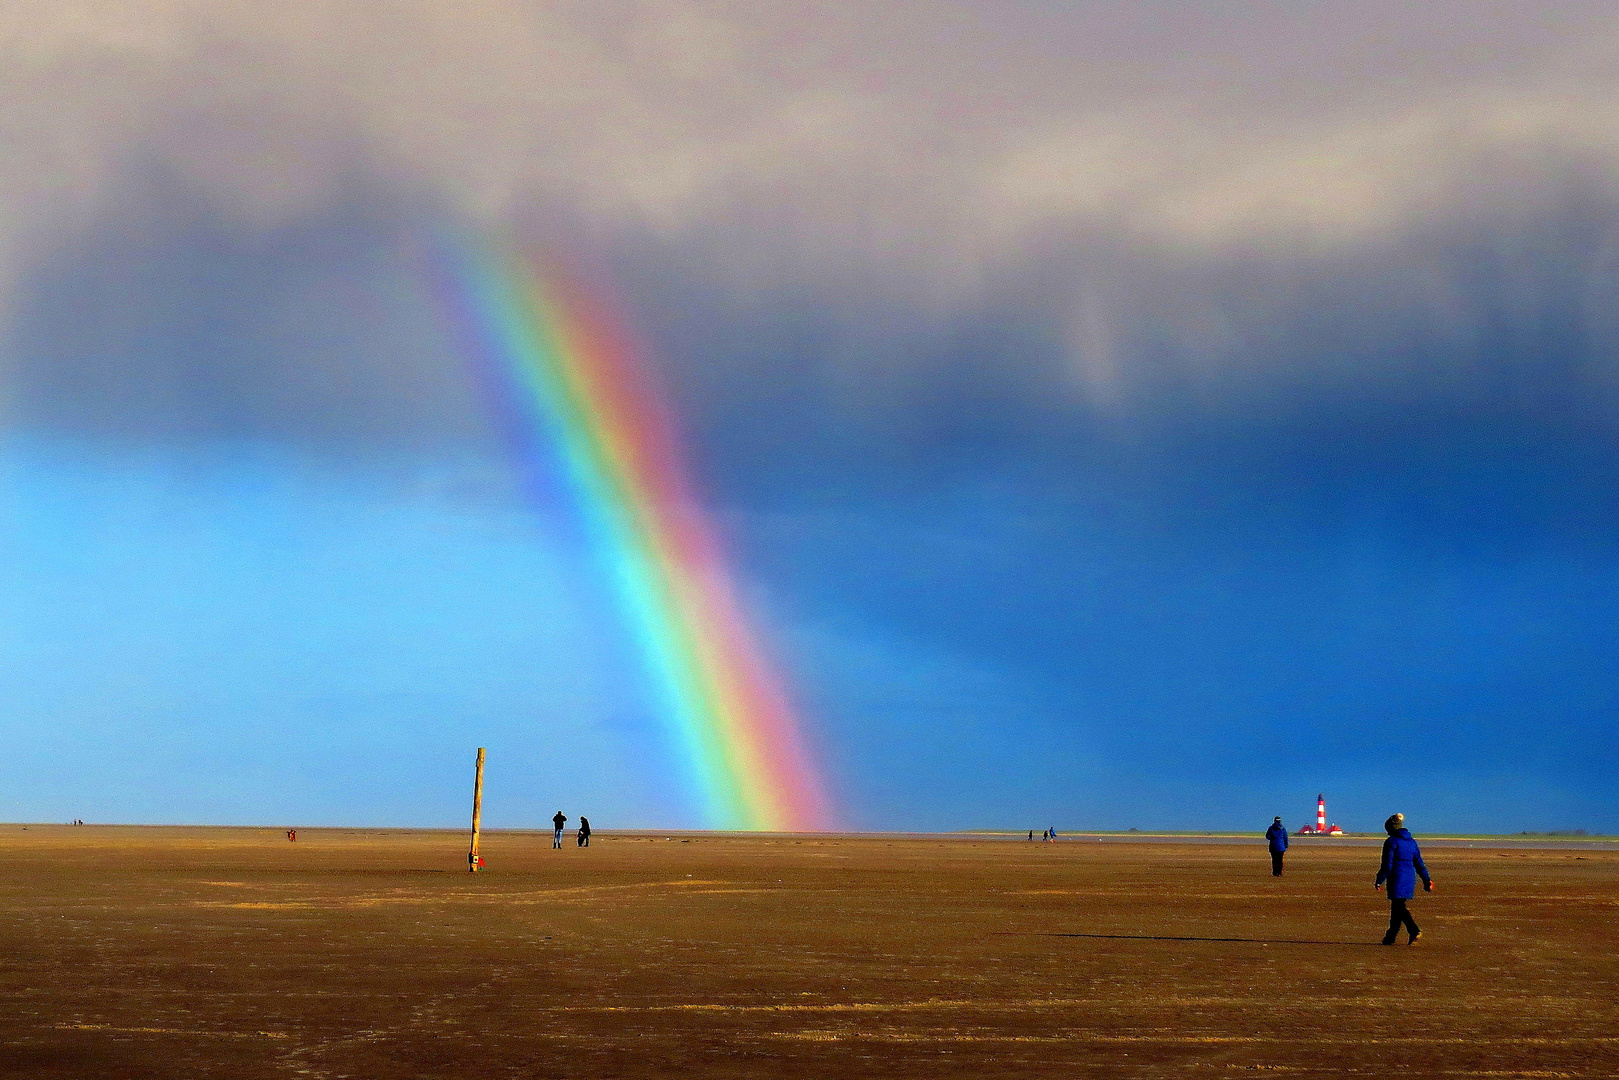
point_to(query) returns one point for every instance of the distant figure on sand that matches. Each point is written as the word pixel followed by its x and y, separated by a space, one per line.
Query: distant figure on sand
pixel 1276 837
pixel 292 834
pixel 560 820
pixel 584 832
pixel 1031 834
pixel 1402 862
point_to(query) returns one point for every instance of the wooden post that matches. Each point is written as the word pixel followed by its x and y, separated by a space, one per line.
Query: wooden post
pixel 477 814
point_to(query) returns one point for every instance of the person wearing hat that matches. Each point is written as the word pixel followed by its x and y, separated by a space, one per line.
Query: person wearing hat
pixel 1276 837
pixel 1402 862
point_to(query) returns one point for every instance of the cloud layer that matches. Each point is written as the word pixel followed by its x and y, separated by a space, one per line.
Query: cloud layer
pixel 931 137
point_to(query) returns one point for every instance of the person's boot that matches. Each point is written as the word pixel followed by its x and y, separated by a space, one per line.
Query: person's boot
pixel 1414 937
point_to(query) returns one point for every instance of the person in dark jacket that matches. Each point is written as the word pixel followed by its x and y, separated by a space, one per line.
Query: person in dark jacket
pixel 1276 837
pixel 584 832
pixel 1402 863
pixel 559 820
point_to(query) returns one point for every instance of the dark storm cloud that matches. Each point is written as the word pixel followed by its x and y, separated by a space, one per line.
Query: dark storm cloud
pixel 1193 201
pixel 169 321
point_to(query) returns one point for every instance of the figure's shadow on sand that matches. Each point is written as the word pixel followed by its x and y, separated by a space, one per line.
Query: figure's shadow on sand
pixel 1220 940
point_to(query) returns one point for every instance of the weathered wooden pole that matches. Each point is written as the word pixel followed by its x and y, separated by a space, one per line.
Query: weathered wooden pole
pixel 477 813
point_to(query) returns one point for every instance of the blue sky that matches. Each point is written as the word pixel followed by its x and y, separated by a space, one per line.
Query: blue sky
pixel 1110 431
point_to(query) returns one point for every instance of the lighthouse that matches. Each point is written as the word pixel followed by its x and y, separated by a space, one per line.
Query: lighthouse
pixel 1320 828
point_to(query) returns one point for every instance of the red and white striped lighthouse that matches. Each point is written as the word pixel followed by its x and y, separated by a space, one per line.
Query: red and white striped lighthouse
pixel 1321 814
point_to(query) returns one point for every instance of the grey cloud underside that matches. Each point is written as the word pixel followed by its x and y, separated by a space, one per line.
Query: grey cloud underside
pixel 892 251
pixel 169 320
pixel 1159 207
pixel 908 147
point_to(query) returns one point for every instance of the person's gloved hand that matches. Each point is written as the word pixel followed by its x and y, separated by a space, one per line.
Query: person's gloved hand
pixel 1427 886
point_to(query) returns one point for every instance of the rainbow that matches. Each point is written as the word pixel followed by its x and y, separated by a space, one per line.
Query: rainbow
pixel 568 382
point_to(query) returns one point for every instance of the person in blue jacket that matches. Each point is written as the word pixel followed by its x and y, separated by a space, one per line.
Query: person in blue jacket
pixel 1402 862
pixel 1276 837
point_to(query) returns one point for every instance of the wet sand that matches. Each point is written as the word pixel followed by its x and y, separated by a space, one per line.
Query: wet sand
pixel 177 953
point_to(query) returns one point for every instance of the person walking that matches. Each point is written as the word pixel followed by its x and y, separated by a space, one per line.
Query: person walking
pixel 560 820
pixel 1276 837
pixel 1402 862
pixel 584 832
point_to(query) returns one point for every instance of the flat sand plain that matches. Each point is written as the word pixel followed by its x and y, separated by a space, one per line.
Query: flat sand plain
pixel 176 953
